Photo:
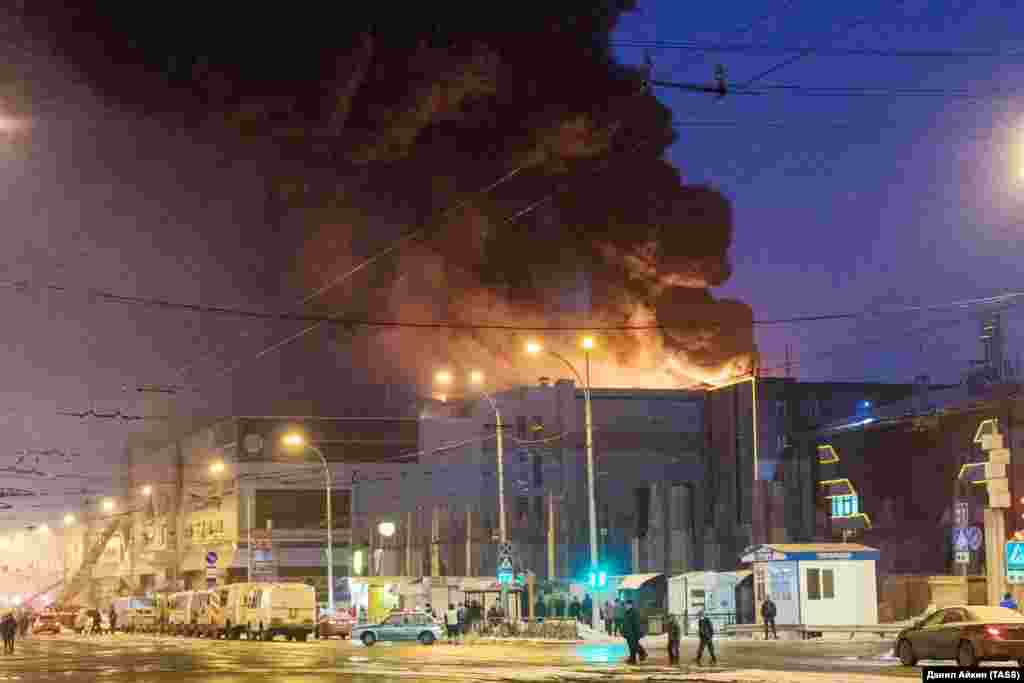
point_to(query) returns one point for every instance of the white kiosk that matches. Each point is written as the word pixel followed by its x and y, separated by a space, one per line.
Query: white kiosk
pixel 816 584
pixel 711 592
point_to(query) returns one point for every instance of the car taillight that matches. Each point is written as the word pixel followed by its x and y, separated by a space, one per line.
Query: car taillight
pixel 993 632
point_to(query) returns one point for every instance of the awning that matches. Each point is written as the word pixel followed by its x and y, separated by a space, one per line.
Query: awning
pixel 631 582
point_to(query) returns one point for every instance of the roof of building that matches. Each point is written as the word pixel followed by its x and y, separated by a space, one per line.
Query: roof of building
pixel 818 547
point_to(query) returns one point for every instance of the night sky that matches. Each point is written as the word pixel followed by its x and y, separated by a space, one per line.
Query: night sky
pixel 853 203
pixel 840 204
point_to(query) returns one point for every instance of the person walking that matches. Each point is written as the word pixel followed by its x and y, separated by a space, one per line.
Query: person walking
pixel 609 617
pixel 674 636
pixel 632 632
pixel 9 626
pixel 113 620
pixel 1009 603
pixel 97 622
pixel 707 633
pixel 768 612
pixel 587 611
pixel 574 608
pixel 619 615
pixel 451 623
pixel 540 610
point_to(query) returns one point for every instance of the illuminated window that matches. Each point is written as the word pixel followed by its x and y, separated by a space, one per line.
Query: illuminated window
pixel 844 506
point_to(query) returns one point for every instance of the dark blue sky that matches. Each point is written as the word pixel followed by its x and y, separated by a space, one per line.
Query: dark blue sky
pixel 847 203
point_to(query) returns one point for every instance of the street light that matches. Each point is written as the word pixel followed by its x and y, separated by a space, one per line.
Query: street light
pixel 217 467
pixel 476 378
pixel 386 529
pixel 69 519
pixel 534 348
pixel 108 504
pixel 297 441
pixel 147 490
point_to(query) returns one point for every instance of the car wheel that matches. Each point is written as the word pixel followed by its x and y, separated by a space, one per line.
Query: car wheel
pixel 426 638
pixel 906 653
pixel 368 639
pixel 965 655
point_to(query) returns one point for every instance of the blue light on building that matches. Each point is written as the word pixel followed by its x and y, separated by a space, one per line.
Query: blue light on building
pixel 844 506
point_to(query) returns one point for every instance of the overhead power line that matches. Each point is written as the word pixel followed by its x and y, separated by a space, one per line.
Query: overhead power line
pixel 764 50
pixel 838 91
pixel 351 321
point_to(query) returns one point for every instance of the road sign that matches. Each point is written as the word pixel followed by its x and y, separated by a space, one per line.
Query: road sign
pixel 974 537
pixel 505 548
pixel 960 541
pixel 1015 556
pixel 506 577
pixel 963 557
pixel 505 564
pixel 211 558
pixel 211 572
pixel 1014 577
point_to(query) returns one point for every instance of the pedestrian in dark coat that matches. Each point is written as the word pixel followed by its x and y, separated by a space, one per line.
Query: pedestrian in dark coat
pixel 9 627
pixel 707 633
pixel 574 608
pixel 674 636
pixel 619 614
pixel 768 612
pixel 587 611
pixel 632 632
pixel 540 610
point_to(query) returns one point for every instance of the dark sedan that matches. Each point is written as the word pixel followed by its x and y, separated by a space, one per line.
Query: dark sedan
pixel 338 625
pixel 968 634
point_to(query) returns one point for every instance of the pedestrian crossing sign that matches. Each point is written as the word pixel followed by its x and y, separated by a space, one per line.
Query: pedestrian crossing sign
pixel 505 564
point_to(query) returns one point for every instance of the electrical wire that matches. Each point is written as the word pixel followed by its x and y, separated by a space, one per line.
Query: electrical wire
pixel 225 311
pixel 762 49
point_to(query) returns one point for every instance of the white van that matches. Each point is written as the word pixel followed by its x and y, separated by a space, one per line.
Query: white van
pixel 184 610
pixel 227 613
pixel 135 614
pixel 279 609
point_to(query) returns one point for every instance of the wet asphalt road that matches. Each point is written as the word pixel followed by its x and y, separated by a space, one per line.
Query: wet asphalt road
pixel 159 659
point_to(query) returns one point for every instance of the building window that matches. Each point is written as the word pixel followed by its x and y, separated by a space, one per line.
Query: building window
pixel 821 584
pixel 522 509
pixel 521 426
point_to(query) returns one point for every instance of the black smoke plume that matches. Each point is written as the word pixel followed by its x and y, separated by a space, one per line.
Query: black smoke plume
pixel 386 120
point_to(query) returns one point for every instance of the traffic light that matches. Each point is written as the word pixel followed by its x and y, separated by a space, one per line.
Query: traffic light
pixel 598 579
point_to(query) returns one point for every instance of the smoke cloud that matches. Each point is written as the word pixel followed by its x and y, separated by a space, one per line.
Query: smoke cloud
pixel 384 130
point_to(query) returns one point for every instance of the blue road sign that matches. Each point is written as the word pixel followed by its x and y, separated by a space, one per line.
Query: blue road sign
pixel 974 537
pixel 211 558
pixel 960 539
pixel 1015 556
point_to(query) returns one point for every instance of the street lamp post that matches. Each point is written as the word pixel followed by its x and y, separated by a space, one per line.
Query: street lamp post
pixel 297 440
pixel 587 343
pixel 476 378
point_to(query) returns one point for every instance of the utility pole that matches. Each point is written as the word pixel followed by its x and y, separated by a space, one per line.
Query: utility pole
pixel 469 540
pixel 408 544
pixel 551 536
pixel 435 541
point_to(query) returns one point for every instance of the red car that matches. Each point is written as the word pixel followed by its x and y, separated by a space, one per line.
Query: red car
pixel 335 625
pixel 46 623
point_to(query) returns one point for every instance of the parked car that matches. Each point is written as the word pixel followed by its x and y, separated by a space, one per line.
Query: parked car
pixel 968 634
pixel 46 623
pixel 337 625
pixel 84 622
pixel 279 609
pixel 405 626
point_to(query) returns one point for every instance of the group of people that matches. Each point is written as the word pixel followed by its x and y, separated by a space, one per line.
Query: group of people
pixel 12 626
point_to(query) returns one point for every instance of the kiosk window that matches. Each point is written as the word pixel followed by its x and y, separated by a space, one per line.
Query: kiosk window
pixel 821 584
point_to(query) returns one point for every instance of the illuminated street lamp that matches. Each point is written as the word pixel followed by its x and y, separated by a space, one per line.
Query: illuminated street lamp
pixel 147 490
pixel 108 504
pixel 534 348
pixel 386 529
pixel 477 379
pixel 217 467
pixel 69 519
pixel 298 442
